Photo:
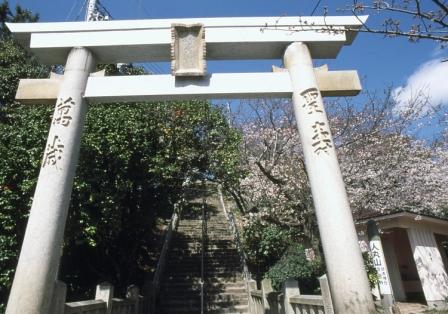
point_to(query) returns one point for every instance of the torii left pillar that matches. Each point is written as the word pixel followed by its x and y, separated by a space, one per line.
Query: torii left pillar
pixel 37 269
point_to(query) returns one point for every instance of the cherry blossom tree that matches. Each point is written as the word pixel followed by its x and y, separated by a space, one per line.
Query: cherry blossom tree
pixel 387 164
pixel 414 19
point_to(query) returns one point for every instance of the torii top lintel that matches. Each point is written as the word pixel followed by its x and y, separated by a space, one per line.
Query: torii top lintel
pixel 150 40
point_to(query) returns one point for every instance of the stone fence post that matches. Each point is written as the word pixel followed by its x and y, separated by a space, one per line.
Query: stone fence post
pixel 251 285
pixel 105 292
pixel 133 294
pixel 290 288
pixel 59 297
pixel 266 289
pixel 326 294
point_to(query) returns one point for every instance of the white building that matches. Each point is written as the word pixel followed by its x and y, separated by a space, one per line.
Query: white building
pixel 415 248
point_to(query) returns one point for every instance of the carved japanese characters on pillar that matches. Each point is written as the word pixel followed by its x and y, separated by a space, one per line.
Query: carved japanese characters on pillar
pixel 321 138
pixel 62 113
pixel 321 132
pixel 53 152
pixel 61 118
pixel 310 95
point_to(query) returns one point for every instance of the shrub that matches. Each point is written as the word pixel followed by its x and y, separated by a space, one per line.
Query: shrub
pixel 372 274
pixel 294 264
pixel 264 244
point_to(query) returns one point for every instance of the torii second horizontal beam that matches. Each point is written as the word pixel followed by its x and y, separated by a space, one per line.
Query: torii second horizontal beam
pixel 142 88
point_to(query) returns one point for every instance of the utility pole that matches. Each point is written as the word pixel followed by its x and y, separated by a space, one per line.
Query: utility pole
pixel 229 114
pixel 95 13
pixel 91 8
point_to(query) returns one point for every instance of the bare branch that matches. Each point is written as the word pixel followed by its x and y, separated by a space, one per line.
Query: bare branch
pixel 443 6
pixel 410 35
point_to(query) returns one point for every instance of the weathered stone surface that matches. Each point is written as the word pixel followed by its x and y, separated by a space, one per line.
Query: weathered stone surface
pixel 227 38
pixel 188 50
pixel 346 274
pixel 166 87
pixel 36 272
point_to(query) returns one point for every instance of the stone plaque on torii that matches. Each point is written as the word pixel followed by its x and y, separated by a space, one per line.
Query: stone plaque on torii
pixel 188 43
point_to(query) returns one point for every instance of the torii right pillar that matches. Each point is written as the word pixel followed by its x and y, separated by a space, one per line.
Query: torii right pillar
pixel 348 281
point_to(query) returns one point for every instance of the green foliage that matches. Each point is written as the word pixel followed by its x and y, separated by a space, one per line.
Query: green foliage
pixel 21 151
pixel 372 274
pixel 19 15
pixel 21 145
pixel 14 65
pixel 15 62
pixel 264 244
pixel 293 264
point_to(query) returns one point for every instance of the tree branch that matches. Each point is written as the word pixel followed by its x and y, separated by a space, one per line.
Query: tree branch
pixel 269 175
pixel 443 6
pixel 410 35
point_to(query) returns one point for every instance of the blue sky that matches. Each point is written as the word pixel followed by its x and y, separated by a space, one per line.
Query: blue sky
pixel 380 61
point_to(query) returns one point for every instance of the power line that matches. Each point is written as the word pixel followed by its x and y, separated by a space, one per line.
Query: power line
pixel 104 9
pixel 149 68
pixel 315 8
pixel 71 10
pixel 81 10
pixel 146 67
pixel 155 68
pixel 142 8
pixel 159 68
pixel 102 13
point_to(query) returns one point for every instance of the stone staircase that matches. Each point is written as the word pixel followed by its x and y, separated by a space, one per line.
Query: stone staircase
pixel 224 285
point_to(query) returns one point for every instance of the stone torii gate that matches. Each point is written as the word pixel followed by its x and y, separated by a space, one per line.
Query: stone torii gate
pixel 188 43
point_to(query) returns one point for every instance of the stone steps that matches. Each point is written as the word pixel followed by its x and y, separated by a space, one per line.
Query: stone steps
pixel 189 290
pixel 216 262
pixel 224 286
pixel 215 285
pixel 210 248
pixel 195 280
pixel 228 308
pixel 232 264
pixel 190 241
pixel 221 238
pixel 230 271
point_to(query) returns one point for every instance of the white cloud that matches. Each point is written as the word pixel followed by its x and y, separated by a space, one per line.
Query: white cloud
pixel 426 87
